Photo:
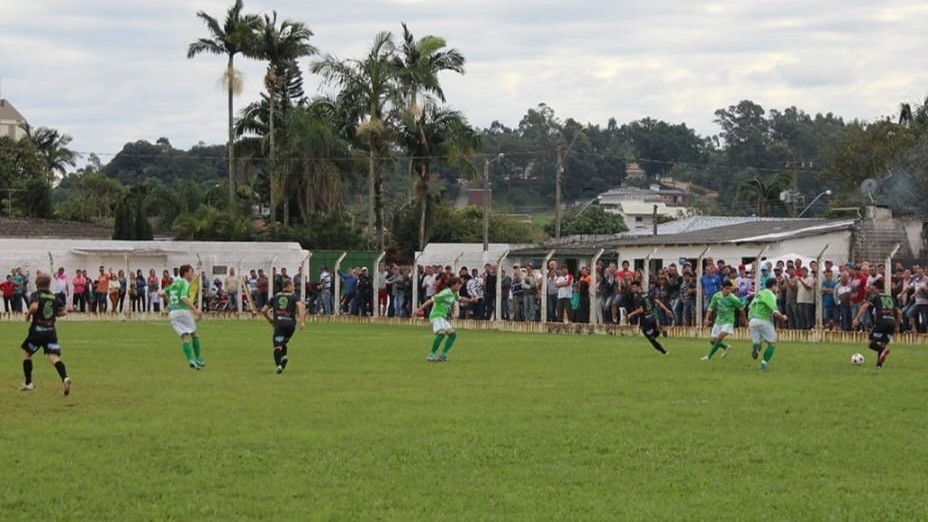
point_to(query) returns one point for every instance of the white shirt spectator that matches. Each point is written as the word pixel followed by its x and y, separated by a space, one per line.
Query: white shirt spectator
pixel 806 295
pixel 565 291
pixel 428 285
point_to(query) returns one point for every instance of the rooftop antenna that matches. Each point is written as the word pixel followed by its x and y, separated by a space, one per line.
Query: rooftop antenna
pixel 868 187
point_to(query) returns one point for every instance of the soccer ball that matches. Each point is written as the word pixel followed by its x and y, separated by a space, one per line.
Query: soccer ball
pixel 857 359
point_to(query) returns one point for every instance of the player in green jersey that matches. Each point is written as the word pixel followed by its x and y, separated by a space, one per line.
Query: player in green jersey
pixel 763 311
pixel 722 308
pixel 441 308
pixel 181 313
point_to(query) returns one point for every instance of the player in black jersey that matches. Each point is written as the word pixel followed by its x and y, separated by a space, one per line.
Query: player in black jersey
pixel 644 305
pixel 44 309
pixel 886 320
pixel 284 312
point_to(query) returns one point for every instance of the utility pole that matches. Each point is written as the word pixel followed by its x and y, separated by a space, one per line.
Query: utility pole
pixel 559 180
pixel 486 200
pixel 795 195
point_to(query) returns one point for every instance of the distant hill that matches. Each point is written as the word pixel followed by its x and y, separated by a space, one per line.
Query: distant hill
pixel 141 160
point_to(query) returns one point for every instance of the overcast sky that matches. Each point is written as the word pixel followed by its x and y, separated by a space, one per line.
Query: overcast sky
pixel 108 72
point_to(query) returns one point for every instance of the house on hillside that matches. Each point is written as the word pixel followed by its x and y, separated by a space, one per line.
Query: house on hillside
pixel 11 121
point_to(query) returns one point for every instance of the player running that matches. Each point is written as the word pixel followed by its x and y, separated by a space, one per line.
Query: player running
pixel 441 307
pixel 886 318
pixel 644 304
pixel 722 307
pixel 181 313
pixel 44 309
pixel 762 312
pixel 283 312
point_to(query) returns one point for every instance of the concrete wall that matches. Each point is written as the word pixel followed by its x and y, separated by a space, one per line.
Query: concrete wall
pixel 46 255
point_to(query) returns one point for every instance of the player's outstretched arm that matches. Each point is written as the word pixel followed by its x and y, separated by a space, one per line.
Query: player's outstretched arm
pixel 860 313
pixel 33 308
pixel 425 305
pixel 264 311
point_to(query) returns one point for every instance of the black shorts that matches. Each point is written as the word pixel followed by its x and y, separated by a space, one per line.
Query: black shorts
pixel 46 339
pixel 883 330
pixel 283 332
pixel 648 325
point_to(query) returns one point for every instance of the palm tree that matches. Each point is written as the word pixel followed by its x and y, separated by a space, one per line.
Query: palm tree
pixel 281 46
pixel 53 147
pixel 234 36
pixel 314 174
pixel 916 119
pixel 370 85
pixel 433 132
pixel 765 195
pixel 419 62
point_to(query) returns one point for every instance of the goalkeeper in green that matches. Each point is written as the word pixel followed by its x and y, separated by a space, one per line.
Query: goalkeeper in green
pixel 722 308
pixel 441 308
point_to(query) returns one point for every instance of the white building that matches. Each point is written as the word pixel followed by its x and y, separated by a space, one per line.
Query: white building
pixel 736 243
pixel 11 121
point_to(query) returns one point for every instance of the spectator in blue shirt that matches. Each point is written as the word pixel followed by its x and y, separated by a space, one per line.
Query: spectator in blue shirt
pixel 711 283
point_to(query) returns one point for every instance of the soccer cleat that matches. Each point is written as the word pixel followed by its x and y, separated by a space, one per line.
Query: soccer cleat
pixel 724 352
pixel 763 366
pixel 883 355
pixel 432 358
pixel 66 383
pixel 705 358
pixel 442 358
pixel 193 364
pixel 283 362
pixel 754 352
pixel 26 387
pixel 200 362
pixel 280 369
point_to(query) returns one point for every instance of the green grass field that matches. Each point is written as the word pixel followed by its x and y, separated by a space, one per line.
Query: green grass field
pixel 515 427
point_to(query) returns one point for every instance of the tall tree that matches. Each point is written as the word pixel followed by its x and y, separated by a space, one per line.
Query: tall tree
pixel 369 84
pixel 234 36
pixel 435 132
pixel 281 46
pixel 53 148
pixel 763 194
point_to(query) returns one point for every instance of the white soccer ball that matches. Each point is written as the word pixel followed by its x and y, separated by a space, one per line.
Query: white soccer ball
pixel 857 359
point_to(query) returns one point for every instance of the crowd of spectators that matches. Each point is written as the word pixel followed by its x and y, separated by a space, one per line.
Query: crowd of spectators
pixel 843 290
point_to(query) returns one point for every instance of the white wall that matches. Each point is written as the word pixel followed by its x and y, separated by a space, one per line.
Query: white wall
pixel 49 254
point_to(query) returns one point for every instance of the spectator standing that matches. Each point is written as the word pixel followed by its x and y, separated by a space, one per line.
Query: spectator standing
pixel 365 296
pixel 325 289
pixel 79 287
pixel 253 287
pixel 154 300
pixel 805 299
pixel 506 289
pixel 263 286
pixel 829 305
pixel 102 291
pixel 552 294
pixel 7 288
pixel 530 286
pixel 233 287
pixel 382 293
pixel 60 286
pixel 397 292
pixel 564 284
pixel 711 283
pixel 123 289
pixel 489 291
pixel 475 292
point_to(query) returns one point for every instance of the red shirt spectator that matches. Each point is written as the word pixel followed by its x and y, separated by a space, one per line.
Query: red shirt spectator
pixel 7 287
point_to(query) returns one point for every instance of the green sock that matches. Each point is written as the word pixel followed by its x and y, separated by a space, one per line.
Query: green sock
pixel 769 352
pixel 436 343
pixel 196 348
pixel 451 338
pixel 715 348
pixel 188 353
pixel 723 345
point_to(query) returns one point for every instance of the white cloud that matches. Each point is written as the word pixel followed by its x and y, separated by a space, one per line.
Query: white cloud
pixel 109 72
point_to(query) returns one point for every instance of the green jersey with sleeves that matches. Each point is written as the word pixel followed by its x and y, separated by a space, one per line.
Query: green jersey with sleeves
pixel 724 307
pixel 763 305
pixel 441 303
pixel 175 293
